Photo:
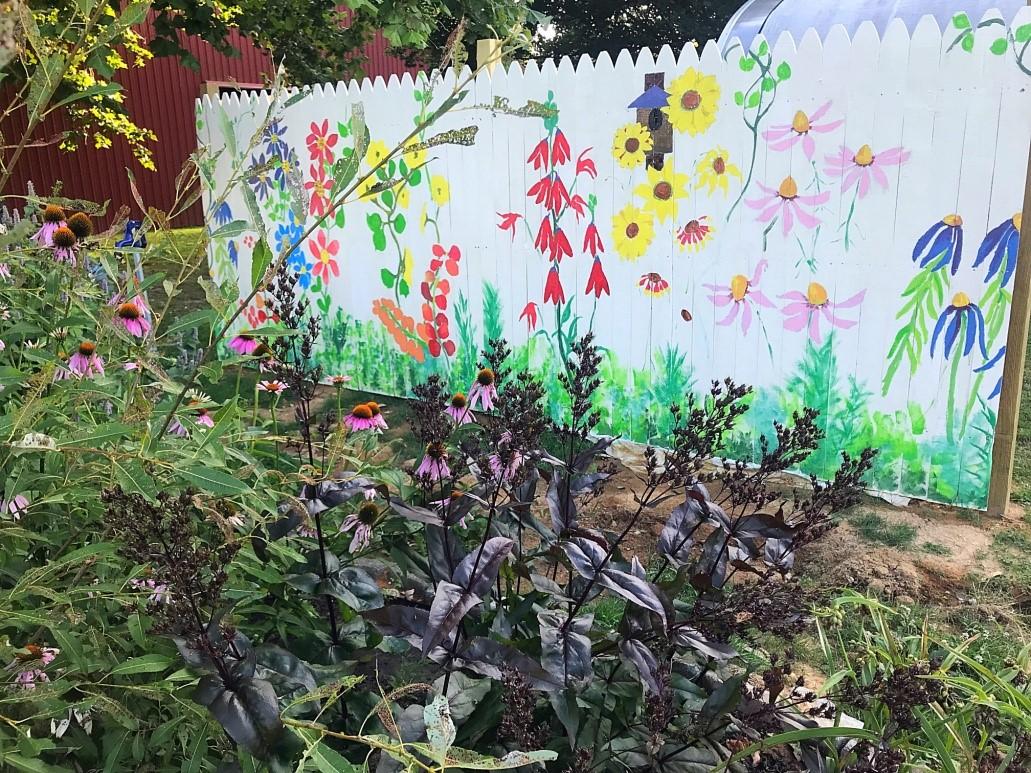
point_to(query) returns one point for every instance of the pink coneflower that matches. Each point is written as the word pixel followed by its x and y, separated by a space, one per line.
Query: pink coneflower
pixel 132 316
pixel 175 427
pixel 377 414
pixel 864 166
pixel 362 523
pixel 741 294
pixel 444 505
pixel 360 418
pixel 339 381
pixel 2 345
pixel 86 362
pixel 244 344
pixel 53 218
pixel 433 466
pixel 64 246
pixel 204 418
pixel 505 473
pixel 131 365
pixel 5 272
pixel 17 506
pixel 786 202
pixel 273 387
pixel 483 391
pixel 801 129
pixel 28 678
pixel 459 410
pixel 158 591
pixel 805 310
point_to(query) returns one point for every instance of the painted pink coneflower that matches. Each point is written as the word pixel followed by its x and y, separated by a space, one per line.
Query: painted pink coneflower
pixel 786 202
pixel 741 295
pixel 801 129
pixel 360 418
pixel 17 506
pixel 132 316
pixel 86 363
pixel 459 410
pixel 244 344
pixel 864 167
pixel 483 391
pixel 53 218
pixel 433 466
pixel 377 414
pixel 805 310
pixel 362 523
pixel 64 245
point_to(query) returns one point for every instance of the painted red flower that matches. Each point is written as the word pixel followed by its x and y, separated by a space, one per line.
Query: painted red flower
pixel 553 288
pixel 578 205
pixel 543 240
pixel 597 282
pixel 541 190
pixel 448 259
pixel 508 221
pixel 585 165
pixel 592 240
pixel 539 156
pixel 559 149
pixel 321 142
pixel 560 246
pixel 530 315
pixel 324 252
pixel 557 195
pixel 319 188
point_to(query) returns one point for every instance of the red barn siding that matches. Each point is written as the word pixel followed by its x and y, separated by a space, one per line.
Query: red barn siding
pixel 159 96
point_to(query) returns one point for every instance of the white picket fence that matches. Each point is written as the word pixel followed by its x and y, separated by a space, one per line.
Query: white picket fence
pixel 928 124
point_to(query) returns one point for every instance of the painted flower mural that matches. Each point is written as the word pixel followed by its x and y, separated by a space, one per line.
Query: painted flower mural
pixel 788 204
pixel 695 234
pixel 864 167
pixel 324 251
pixel 632 232
pixel 662 191
pixel 801 130
pixel 694 100
pixel 714 170
pixel 961 321
pixel 804 310
pixel 743 296
pixel 631 144
pixel 941 245
pixel 1001 243
pixel 653 284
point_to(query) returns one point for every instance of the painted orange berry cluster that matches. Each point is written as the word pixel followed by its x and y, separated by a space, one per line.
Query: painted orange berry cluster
pixel 435 327
pixel 400 326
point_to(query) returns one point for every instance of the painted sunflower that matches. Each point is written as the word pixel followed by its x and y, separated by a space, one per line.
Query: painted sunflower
pixel 440 191
pixel 662 190
pixel 632 232
pixel 631 144
pixel 714 170
pixel 693 101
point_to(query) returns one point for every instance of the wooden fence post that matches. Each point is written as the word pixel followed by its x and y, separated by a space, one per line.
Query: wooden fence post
pixel 1005 444
pixel 488 52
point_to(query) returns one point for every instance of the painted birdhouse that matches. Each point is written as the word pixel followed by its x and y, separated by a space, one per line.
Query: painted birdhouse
pixel 649 114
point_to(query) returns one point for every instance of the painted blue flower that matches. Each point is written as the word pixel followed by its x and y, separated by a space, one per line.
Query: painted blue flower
pixel 224 213
pixel 302 269
pixel 988 366
pixel 960 316
pixel 941 244
pixel 275 139
pixel 288 234
pixel 1001 242
pixel 234 253
pixel 263 179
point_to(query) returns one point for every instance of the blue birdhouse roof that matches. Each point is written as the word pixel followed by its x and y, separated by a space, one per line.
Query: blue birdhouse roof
pixel 653 97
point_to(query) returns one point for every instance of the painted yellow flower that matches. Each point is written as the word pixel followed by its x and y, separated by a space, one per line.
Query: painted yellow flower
pixel 376 152
pixel 693 101
pixel 402 196
pixel 662 190
pixel 630 145
pixel 714 171
pixel 409 265
pixel 632 232
pixel 439 190
pixel 414 156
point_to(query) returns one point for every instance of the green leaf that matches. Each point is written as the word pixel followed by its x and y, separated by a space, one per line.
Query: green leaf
pixel 746 63
pixel 917 419
pixel 92 91
pixel 739 98
pixel 403 288
pixel 967 44
pixel 30 764
pixel 1022 34
pixel 753 100
pixel 961 21
pixel 260 260
pixel 386 276
pixel 340 218
pixel 374 221
pixel 768 84
pixel 189 321
pixel 400 223
pixel 98 436
pixel 999 46
pixel 783 71
pixel 387 197
pixel 415 177
pixel 379 240
pixel 145 664
pixel 131 476
pixel 213 481
pixel 764 48
pixel 329 761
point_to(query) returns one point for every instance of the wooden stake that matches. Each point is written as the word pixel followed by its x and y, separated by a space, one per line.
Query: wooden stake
pixel 488 52
pixel 1005 444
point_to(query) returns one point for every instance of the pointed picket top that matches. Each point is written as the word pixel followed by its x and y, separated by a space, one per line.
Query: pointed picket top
pixel 565 67
pixel 624 60
pixel 644 59
pixel 784 49
pixel 810 44
pixel 688 56
pixel 665 60
pixel 867 35
pixel 393 81
pixel 896 33
pixel 603 63
pixel 1022 17
pixel 548 69
pixel 710 59
pixel 532 70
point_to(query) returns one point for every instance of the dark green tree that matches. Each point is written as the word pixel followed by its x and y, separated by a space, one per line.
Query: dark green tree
pixel 610 25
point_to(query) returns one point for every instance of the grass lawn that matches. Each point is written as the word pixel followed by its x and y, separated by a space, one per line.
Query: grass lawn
pixel 183 240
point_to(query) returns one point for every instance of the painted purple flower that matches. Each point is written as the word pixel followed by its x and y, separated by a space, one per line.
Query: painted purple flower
pixel 806 309
pixel 86 363
pixel 741 295
pixel 483 391
pixel 459 410
pixel 801 129
pixel 864 166
pixel 786 202
pixel 961 319
pixel 433 466
pixel 362 522
pixel 17 506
